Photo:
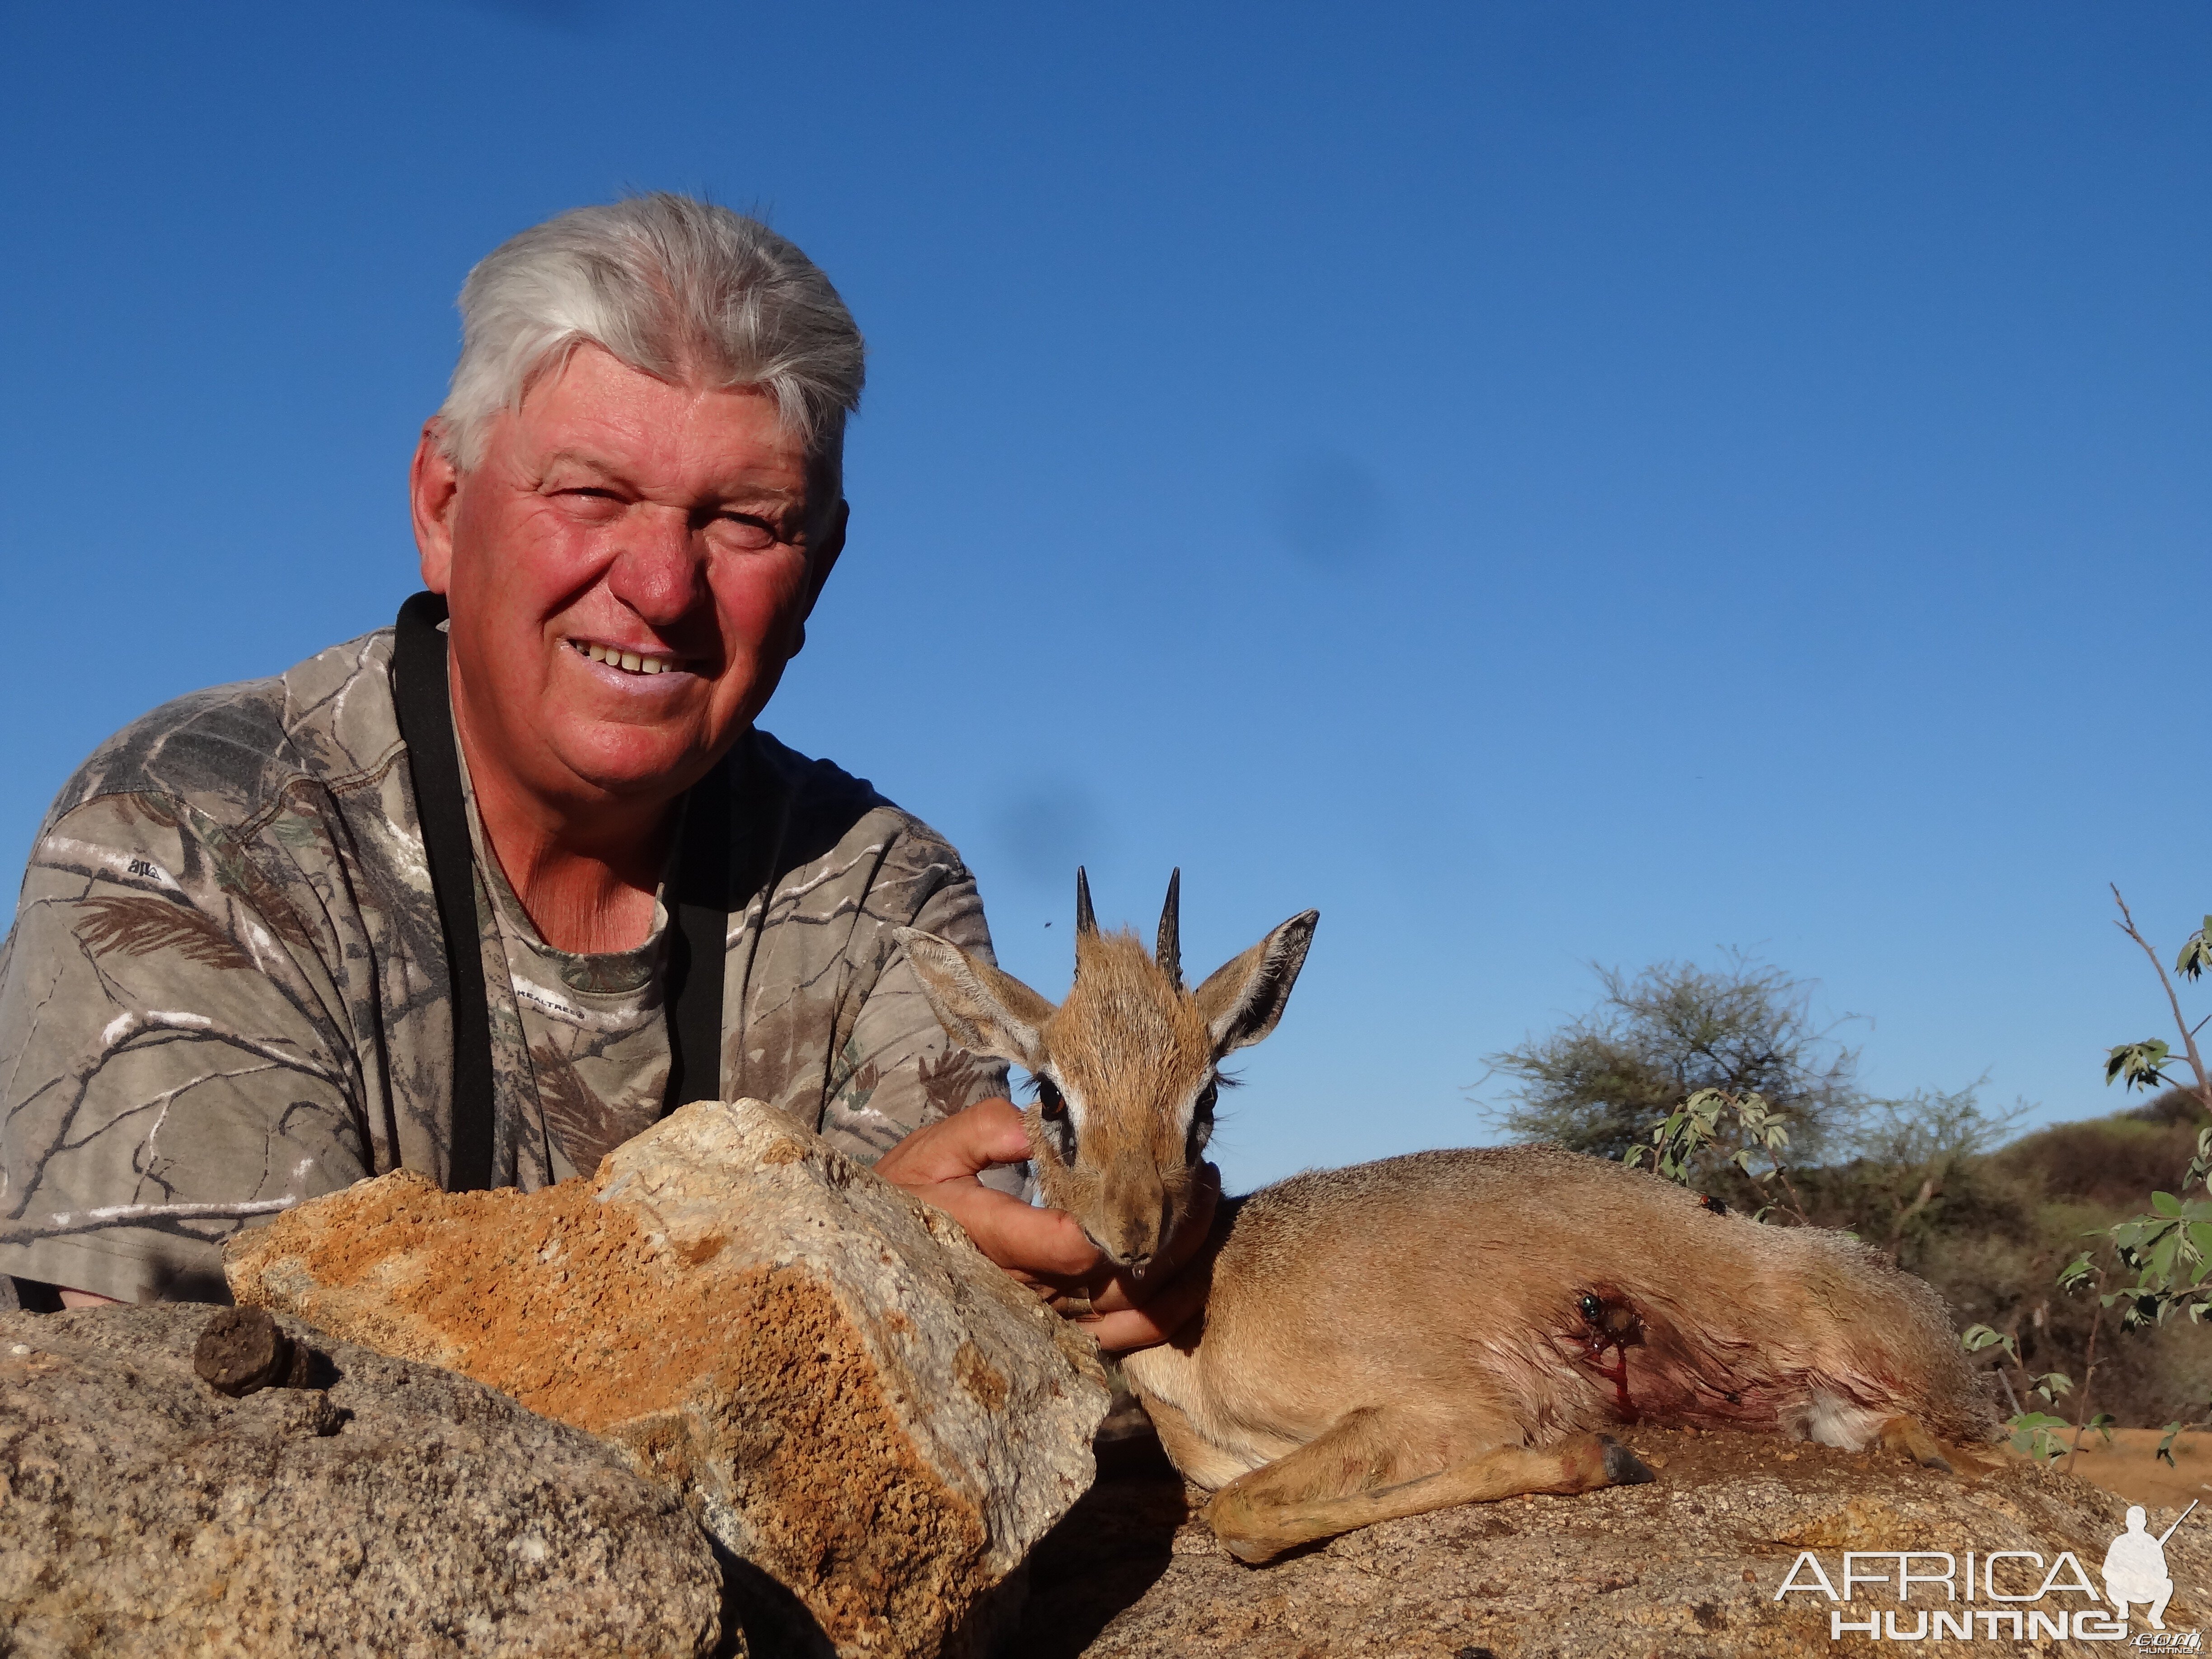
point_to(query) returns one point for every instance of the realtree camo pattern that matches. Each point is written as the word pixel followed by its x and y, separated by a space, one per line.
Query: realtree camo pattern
pixel 226 988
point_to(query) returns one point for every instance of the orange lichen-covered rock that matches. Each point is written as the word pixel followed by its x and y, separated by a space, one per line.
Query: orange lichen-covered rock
pixel 851 1398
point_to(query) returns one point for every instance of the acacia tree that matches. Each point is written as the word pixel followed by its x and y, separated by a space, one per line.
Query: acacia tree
pixel 1670 1033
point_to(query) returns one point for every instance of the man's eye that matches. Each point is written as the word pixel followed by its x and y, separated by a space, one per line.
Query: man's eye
pixel 745 535
pixel 594 503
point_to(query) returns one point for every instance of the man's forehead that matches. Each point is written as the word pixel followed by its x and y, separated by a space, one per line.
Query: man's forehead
pixel 598 416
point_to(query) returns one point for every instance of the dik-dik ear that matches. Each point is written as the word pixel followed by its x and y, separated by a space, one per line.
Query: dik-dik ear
pixel 1242 999
pixel 982 1010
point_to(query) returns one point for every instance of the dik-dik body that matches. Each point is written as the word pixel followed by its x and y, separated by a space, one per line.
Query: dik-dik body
pixel 1437 1328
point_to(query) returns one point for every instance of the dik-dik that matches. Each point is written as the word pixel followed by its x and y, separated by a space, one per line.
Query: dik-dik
pixel 1437 1328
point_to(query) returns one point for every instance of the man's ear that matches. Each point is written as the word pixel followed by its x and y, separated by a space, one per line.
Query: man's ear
pixel 432 484
pixel 821 559
pixel 1242 999
pixel 982 1010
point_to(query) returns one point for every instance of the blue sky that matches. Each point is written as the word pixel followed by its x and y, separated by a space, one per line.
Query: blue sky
pixel 1547 484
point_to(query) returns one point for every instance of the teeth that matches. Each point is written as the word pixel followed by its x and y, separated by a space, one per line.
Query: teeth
pixel 630 661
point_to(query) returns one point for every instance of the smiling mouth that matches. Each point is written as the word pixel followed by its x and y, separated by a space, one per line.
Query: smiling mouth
pixel 630 662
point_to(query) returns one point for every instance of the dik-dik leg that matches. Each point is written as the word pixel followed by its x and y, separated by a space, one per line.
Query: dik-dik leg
pixel 1910 1436
pixel 1361 1471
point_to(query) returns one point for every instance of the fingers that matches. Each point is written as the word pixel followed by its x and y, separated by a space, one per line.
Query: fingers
pixel 989 1131
pixel 1123 1292
pixel 1035 1246
pixel 1160 1318
pixel 1030 1244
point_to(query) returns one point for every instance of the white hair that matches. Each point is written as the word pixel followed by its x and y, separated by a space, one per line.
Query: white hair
pixel 673 287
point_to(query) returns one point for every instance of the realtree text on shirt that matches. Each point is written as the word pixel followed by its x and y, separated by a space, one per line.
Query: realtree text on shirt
pixel 226 988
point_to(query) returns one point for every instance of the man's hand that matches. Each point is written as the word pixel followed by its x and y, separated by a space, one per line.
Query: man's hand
pixel 1047 1250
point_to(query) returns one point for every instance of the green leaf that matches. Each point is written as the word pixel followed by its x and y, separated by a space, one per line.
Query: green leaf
pixel 2199 1235
pixel 2166 1204
pixel 2196 953
pixel 2138 1063
pixel 2033 1433
pixel 2173 1430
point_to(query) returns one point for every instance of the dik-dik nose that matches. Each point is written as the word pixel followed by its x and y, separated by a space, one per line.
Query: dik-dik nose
pixel 1135 1255
pixel 1137 1237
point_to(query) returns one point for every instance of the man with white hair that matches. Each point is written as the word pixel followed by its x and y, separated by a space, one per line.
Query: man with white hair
pixel 485 894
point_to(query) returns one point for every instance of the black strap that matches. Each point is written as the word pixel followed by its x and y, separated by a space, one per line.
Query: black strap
pixel 422 701
pixel 426 726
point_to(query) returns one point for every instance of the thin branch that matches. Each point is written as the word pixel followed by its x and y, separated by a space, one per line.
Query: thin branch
pixel 2088 1378
pixel 1931 1189
pixel 1797 1204
pixel 2127 925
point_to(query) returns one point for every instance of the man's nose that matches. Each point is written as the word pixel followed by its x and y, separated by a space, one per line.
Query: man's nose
pixel 660 572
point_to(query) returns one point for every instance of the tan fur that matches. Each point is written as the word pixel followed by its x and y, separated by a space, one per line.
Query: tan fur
pixel 1417 1332
pixel 1124 1043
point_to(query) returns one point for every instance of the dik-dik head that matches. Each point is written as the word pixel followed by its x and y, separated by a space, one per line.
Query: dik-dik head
pixel 1126 1068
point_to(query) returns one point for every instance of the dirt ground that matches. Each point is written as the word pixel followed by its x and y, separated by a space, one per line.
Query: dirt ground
pixel 1691 1566
pixel 2129 1468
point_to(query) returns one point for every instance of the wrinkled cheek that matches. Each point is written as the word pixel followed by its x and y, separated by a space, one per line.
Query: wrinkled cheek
pixel 759 615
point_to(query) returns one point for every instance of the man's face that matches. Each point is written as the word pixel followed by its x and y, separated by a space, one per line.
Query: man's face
pixel 618 524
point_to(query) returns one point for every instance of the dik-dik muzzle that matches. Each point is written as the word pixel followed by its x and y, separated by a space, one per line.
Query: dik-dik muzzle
pixel 1127 1068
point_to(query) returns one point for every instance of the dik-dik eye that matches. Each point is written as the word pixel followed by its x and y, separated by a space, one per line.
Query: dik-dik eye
pixel 1052 1105
pixel 1201 1121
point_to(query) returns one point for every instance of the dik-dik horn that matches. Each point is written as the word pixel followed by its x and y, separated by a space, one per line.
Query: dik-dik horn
pixel 1436 1329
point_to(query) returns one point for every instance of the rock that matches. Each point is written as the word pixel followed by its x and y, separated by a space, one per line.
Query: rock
pixel 243 1349
pixel 1686 1568
pixel 394 1509
pixel 853 1400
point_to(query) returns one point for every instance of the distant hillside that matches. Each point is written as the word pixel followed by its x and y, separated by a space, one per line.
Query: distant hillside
pixel 2006 1223
pixel 2115 1161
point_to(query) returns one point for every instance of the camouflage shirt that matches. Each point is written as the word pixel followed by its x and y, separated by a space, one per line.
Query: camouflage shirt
pixel 226 988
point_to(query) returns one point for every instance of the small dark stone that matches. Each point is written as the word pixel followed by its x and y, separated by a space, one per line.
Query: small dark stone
pixel 241 1350
pixel 1472 1652
pixel 301 1373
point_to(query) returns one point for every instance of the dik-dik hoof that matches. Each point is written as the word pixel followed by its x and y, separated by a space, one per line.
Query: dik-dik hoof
pixel 1902 1434
pixel 1622 1467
